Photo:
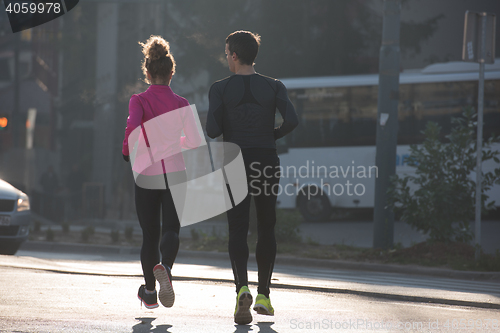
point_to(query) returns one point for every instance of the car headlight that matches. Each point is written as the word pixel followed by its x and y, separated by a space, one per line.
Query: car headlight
pixel 23 203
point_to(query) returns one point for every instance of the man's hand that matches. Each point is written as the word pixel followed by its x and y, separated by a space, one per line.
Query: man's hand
pixel 126 157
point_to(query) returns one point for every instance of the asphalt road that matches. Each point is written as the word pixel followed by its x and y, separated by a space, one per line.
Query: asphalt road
pixel 56 302
pixel 60 292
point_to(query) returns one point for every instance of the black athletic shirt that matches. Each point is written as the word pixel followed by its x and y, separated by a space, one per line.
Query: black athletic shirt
pixel 243 107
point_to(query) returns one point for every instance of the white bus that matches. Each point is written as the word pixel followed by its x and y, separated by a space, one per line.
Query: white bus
pixel 332 151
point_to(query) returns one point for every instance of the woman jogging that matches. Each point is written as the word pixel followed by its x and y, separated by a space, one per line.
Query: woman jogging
pixel 164 142
pixel 242 108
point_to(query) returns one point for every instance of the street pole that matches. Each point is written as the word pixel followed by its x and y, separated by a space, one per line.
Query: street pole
pixel 387 123
pixel 480 106
pixel 106 90
pixel 16 117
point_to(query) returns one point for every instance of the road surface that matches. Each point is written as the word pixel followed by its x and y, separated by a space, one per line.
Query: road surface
pixel 54 292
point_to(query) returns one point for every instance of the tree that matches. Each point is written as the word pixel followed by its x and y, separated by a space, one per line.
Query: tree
pixel 440 198
pixel 299 38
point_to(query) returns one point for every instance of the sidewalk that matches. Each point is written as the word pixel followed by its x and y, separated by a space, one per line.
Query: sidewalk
pixel 403 283
pixel 91 249
pixel 396 282
pixel 353 233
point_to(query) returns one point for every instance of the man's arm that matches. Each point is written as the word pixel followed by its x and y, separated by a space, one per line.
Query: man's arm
pixel 287 110
pixel 215 112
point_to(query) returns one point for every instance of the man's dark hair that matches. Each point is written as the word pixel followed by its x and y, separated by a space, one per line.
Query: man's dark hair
pixel 245 44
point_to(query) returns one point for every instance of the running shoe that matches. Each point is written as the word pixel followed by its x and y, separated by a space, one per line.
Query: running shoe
pixel 263 305
pixel 149 300
pixel 164 277
pixel 242 313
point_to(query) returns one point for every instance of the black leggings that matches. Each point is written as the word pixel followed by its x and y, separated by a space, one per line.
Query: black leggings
pixel 262 168
pixel 149 203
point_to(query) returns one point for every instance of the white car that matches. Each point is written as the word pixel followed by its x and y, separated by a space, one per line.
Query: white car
pixel 15 218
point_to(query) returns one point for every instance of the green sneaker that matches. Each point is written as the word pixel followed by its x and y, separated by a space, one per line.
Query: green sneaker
pixel 242 313
pixel 263 305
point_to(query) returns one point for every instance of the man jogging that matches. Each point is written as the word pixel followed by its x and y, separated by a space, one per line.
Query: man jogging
pixel 242 108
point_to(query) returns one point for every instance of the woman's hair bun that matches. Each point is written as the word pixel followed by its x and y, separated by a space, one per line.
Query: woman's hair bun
pixel 158 60
pixel 155 48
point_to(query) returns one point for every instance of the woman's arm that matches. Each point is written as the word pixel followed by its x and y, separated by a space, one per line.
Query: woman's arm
pixel 134 119
pixel 192 138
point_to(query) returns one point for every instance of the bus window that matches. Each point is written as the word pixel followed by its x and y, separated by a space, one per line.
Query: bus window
pixel 439 102
pixel 364 115
pixel 346 116
pixel 325 115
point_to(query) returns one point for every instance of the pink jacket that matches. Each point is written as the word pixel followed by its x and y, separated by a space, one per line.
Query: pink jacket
pixel 167 140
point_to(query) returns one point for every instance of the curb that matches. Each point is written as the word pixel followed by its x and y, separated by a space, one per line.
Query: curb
pixel 389 268
pixel 78 248
pixel 280 259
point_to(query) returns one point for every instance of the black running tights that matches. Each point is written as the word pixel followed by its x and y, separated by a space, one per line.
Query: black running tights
pixel 149 203
pixel 262 168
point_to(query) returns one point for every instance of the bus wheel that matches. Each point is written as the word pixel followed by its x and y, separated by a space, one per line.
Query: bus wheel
pixel 316 208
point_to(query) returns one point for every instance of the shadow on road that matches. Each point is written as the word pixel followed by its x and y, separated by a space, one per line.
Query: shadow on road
pixel 264 327
pixel 145 326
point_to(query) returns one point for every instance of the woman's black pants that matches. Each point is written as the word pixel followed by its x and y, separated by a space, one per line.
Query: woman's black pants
pixel 149 204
